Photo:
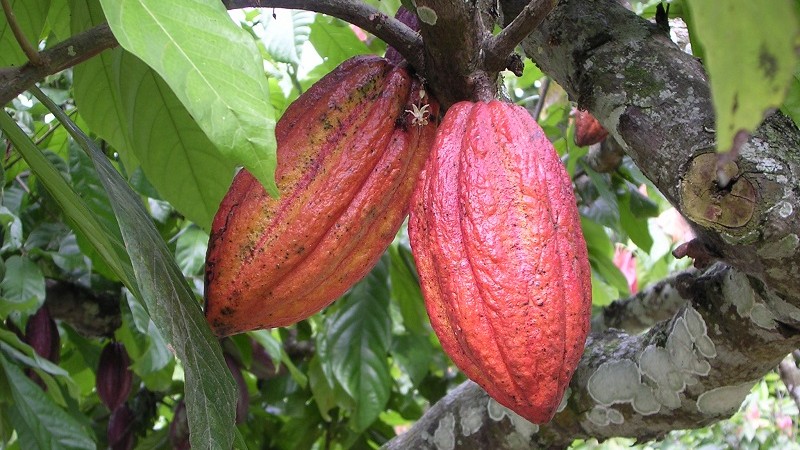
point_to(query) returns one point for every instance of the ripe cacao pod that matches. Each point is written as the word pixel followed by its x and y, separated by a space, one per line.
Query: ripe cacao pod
pixel 349 153
pixel 114 377
pixel 502 262
pixel 588 130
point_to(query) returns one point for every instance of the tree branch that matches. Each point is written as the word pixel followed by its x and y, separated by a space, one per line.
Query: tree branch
pixel 388 29
pixel 658 302
pixel 72 51
pixel 498 49
pixel 689 371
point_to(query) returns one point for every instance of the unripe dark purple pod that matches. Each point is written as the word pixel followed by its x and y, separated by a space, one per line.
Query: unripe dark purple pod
pixel 41 333
pixel 410 19
pixel 243 402
pixel 120 430
pixel 114 377
pixel 179 428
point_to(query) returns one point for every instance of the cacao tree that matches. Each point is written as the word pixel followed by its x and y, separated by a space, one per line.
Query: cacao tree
pixel 125 123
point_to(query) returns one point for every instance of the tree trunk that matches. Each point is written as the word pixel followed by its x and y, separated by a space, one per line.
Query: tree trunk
pixel 732 322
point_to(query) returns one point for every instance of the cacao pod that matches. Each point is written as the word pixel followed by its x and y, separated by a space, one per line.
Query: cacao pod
pixel 41 333
pixel 114 377
pixel 502 262
pixel 409 19
pixel 179 428
pixel 243 402
pixel 349 155
pixel 588 130
pixel 120 430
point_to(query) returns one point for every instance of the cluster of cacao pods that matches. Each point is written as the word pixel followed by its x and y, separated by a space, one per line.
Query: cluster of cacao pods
pixel 494 228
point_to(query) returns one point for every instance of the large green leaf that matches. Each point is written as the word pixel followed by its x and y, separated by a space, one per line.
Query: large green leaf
pixel 144 120
pixel 31 16
pixel 22 287
pixel 210 391
pixel 95 87
pixel 358 336
pixel 88 184
pixel 286 34
pixel 75 209
pixel 214 68
pixel 749 52
pixel 39 422
pixel 177 157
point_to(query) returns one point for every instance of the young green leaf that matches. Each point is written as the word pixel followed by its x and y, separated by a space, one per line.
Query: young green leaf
pixel 750 57
pixel 31 16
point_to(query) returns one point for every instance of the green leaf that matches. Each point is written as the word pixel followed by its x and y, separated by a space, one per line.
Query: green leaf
pixel 358 336
pixel 95 86
pixel 750 56
pixel 210 391
pixel 635 227
pixel 58 18
pixel 286 34
pixel 39 422
pixel 335 41
pixel 190 250
pixel 321 388
pixel 23 286
pixel 608 272
pixel 131 106
pixel 194 46
pixel 413 353
pixel 31 16
pixel 405 290
pixel 104 241
pixel 791 106
pixel 88 184
pixel 12 229
pixel 177 157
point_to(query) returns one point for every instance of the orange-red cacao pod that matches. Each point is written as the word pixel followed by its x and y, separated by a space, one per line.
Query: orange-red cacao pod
pixel 588 130
pixel 349 154
pixel 502 261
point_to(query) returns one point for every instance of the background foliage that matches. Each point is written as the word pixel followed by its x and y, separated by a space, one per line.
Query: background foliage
pixel 125 213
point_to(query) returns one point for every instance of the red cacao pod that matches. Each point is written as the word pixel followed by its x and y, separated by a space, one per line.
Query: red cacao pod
pixel 588 130
pixel 114 377
pixel 502 262
pixel 41 333
pixel 120 430
pixel 349 154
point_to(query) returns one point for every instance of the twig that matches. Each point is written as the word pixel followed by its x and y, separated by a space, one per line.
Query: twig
pixel 30 51
pixel 388 29
pixel 537 111
pixel 68 53
pixel 790 375
pixel 498 49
